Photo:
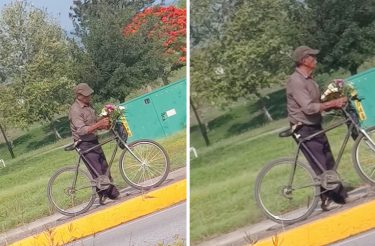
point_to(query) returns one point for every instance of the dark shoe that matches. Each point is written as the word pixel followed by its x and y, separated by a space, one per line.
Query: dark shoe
pixel 113 193
pixel 102 198
pixel 325 203
pixel 338 195
pixel 338 198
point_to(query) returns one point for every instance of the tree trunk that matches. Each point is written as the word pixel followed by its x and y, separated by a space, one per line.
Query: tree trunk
pixel 57 134
pixel 353 70
pixel 6 140
pixel 201 126
pixel 164 78
pixel 267 113
pixel 55 131
pixel 264 109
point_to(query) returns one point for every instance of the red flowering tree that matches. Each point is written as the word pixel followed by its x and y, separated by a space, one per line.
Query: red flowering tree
pixel 165 24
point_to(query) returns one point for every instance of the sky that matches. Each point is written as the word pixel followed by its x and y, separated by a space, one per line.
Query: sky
pixel 57 9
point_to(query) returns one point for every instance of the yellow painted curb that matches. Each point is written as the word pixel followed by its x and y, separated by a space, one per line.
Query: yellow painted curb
pixel 110 217
pixel 327 230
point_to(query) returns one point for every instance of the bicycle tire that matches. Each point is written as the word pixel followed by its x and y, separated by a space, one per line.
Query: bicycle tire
pixel 152 177
pixel 64 198
pixel 364 163
pixel 268 197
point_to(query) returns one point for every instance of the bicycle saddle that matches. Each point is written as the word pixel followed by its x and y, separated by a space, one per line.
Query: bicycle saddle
pixel 286 133
pixel 69 147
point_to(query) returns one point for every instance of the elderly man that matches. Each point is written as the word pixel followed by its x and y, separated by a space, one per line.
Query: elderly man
pixel 84 124
pixel 304 113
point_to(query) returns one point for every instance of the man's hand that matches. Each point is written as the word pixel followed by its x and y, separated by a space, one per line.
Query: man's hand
pixel 334 104
pixel 103 123
pixel 341 102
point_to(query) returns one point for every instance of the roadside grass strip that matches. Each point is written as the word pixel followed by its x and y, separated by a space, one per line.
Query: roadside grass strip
pixel 327 230
pixel 110 217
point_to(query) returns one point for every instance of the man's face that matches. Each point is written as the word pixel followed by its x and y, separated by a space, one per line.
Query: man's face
pixel 310 61
pixel 84 99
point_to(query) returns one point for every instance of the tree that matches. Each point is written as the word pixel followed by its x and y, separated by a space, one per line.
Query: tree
pixel 6 114
pixel 343 30
pixel 200 88
pixel 10 148
pixel 36 65
pixel 250 54
pixel 181 4
pixel 117 65
pixel 166 25
pixel 207 18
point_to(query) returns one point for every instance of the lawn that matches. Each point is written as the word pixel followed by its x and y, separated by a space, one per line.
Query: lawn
pixel 23 181
pixel 222 177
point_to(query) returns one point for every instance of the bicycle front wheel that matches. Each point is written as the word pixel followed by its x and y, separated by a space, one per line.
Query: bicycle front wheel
pixel 71 192
pixel 281 201
pixel 145 166
pixel 364 156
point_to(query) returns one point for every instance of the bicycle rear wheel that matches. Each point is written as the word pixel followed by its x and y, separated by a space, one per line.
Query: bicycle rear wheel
pixel 71 192
pixel 151 171
pixel 284 203
pixel 363 156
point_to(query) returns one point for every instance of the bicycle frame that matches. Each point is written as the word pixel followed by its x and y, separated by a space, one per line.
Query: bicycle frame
pixel 115 137
pixel 351 126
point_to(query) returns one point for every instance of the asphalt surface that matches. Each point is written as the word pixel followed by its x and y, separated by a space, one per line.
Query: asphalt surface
pixel 363 239
pixel 161 228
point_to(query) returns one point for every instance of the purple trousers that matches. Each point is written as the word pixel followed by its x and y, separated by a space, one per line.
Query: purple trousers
pixel 96 163
pixel 319 147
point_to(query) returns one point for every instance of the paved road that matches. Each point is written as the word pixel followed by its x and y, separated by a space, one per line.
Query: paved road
pixel 363 239
pixel 159 228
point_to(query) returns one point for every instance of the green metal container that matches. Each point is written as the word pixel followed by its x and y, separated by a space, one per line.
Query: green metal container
pixel 364 85
pixel 159 113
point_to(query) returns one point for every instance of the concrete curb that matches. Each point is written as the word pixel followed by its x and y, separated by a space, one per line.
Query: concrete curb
pixel 111 217
pixel 327 230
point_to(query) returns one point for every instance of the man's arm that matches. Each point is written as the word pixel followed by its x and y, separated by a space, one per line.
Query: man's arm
pixel 303 98
pixel 99 125
pixel 333 104
pixel 82 128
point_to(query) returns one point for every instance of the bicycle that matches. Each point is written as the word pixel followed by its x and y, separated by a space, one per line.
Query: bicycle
pixel 287 190
pixel 143 164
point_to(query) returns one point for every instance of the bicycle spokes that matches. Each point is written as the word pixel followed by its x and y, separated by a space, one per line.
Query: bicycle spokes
pixel 364 157
pixel 281 201
pixel 145 165
pixel 70 193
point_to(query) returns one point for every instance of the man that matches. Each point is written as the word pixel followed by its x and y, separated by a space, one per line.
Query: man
pixel 84 124
pixel 304 113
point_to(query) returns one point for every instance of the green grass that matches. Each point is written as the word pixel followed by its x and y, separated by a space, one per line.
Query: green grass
pixel 35 138
pixel 222 177
pixel 238 118
pixel 23 182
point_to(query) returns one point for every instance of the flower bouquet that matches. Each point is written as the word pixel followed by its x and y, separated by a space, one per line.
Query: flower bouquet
pixel 336 89
pixel 116 115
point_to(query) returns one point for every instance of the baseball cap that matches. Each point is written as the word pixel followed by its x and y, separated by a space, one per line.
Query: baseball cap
pixel 83 89
pixel 302 51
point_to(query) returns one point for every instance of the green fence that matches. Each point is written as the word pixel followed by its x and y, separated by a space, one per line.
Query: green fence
pixel 159 113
